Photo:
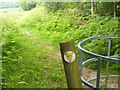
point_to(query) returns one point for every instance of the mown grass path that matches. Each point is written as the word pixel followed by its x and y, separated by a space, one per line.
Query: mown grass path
pixel 39 66
pixel 45 61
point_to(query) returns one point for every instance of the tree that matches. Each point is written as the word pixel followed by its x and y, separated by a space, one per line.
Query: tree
pixel 27 5
pixel 105 8
pixel 54 6
pixel 117 9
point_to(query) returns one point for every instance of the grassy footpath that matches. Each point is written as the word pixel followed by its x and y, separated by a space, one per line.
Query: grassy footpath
pixel 31 55
pixel 40 65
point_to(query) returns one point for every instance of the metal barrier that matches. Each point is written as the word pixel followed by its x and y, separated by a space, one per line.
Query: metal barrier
pixel 99 59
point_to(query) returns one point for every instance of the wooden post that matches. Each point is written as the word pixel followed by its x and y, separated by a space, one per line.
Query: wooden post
pixel 71 66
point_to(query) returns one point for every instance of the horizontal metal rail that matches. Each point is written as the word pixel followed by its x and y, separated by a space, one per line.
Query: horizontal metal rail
pixel 98 58
pixel 116 60
pixel 87 82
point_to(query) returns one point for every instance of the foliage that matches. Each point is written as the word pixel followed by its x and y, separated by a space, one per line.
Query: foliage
pixel 27 62
pixel 74 27
pixel 27 5
pixel 65 26
pixel 74 6
pixel 10 45
pixel 108 8
pixel 104 8
pixel 117 9
pixel 77 28
pixel 54 6
pixel 10 37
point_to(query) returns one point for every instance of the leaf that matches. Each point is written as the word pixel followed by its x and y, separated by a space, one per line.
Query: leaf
pixel 22 82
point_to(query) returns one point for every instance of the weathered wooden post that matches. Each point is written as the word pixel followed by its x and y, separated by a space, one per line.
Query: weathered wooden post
pixel 71 66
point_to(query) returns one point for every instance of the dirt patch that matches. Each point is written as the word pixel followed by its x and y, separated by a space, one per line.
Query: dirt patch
pixel 49 47
pixel 90 74
pixel 57 56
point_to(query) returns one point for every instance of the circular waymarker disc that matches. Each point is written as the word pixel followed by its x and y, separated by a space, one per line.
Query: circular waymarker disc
pixel 69 56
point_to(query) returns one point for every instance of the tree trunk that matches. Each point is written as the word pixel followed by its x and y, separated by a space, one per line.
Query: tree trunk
pixel 114 9
pixel 93 7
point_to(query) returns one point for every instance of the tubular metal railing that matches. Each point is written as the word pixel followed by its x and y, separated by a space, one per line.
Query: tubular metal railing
pixel 99 59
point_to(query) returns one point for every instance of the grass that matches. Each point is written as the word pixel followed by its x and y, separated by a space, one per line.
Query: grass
pixel 36 62
pixel 39 65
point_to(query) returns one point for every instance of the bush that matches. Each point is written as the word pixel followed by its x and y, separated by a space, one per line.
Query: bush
pixel 10 40
pixel 54 6
pixel 27 5
pixel 64 26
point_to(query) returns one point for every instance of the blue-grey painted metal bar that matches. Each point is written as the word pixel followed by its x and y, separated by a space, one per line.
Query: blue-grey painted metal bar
pixel 103 77
pixel 95 59
pixel 98 73
pixel 116 60
pixel 112 76
pixel 89 60
pixel 109 47
pixel 108 54
pixel 99 58
pixel 90 80
pixel 87 83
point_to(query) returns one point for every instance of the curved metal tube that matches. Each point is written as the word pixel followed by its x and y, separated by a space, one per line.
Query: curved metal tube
pixel 80 44
pixel 97 57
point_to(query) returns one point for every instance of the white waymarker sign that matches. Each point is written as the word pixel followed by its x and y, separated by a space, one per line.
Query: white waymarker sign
pixel 69 56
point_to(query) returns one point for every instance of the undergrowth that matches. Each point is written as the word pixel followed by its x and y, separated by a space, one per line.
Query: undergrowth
pixel 28 64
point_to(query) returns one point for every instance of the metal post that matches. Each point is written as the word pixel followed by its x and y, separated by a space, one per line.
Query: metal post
pixel 71 66
pixel 98 73
pixel 107 65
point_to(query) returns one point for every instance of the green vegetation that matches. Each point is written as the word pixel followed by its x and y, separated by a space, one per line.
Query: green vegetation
pixel 30 45
pixel 27 60
pixel 27 5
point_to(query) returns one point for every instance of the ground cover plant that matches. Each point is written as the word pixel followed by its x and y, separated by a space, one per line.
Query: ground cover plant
pixel 31 55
